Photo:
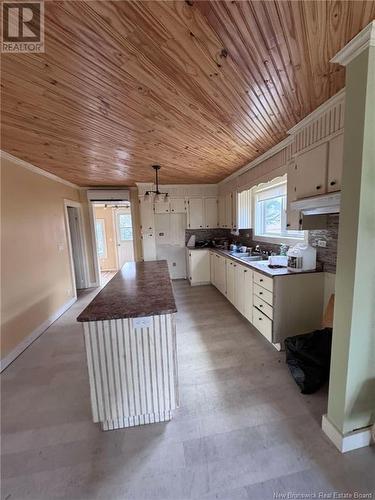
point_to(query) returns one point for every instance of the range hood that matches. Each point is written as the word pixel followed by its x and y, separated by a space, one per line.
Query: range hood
pixel 318 205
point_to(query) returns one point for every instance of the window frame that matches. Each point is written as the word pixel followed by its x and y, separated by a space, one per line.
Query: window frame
pixel 281 238
pixel 128 215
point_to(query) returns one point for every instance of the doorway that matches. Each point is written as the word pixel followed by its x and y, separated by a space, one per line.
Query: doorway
pixel 77 244
pixel 114 237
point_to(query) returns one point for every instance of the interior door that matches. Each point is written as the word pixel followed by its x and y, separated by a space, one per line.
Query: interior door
pixel 77 247
pixel 124 232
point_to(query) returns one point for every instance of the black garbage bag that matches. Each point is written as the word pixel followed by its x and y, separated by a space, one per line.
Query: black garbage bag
pixel 308 357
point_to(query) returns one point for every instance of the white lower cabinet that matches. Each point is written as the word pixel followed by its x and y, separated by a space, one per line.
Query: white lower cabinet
pixel 279 306
pixel 262 323
pixel 198 263
pixel 230 268
pixel 220 274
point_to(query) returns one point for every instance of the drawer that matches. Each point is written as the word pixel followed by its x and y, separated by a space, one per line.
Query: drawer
pixel 264 281
pixel 263 306
pixel 262 323
pixel 264 294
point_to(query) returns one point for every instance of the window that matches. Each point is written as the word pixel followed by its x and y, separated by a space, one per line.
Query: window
pixel 269 202
pixel 101 243
pixel 125 227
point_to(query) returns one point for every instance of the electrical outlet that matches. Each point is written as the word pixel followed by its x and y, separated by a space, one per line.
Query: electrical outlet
pixel 322 243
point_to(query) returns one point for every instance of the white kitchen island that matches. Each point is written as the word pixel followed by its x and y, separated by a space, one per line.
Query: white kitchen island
pixel 130 341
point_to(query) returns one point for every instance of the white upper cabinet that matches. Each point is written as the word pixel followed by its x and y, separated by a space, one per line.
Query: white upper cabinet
pixel 202 213
pixel 177 205
pixel 147 215
pixel 234 210
pixel 292 216
pixel 228 210
pixel 310 172
pixel 222 211
pixel 336 154
pixel 210 213
pixel 162 207
pixel 196 213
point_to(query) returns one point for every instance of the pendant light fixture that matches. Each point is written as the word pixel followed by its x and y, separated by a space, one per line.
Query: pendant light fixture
pixel 159 196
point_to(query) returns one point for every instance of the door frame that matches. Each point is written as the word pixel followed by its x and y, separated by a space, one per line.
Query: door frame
pixel 83 246
pixel 91 205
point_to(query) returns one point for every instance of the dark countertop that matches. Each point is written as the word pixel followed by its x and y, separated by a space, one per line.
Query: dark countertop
pixel 138 289
pixel 259 265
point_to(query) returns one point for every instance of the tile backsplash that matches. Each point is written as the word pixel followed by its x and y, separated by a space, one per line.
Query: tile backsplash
pixel 326 256
pixel 208 234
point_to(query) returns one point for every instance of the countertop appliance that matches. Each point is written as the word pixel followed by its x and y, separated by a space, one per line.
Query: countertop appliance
pixel 301 257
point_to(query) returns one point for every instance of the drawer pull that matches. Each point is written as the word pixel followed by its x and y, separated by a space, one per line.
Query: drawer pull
pixel 261 279
pixel 260 293
pixel 332 183
pixel 260 305
pixel 318 187
pixel 260 319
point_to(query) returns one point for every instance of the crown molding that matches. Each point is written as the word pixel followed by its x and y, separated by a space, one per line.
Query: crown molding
pixel 364 39
pixel 323 108
pixel 36 170
pixel 271 152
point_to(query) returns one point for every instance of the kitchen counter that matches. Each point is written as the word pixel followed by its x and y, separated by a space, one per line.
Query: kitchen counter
pixel 259 265
pixel 130 340
pixel 138 289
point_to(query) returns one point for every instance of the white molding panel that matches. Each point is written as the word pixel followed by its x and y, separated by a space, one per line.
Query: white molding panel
pixel 7 360
pixel 132 371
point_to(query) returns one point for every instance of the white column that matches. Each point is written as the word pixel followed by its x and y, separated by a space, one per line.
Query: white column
pixel 351 404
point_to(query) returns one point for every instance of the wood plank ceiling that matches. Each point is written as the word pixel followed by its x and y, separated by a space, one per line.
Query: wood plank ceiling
pixel 201 88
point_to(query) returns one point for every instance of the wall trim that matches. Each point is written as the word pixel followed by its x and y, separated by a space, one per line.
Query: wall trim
pixel 26 342
pixel 361 42
pixel 36 170
pixel 346 442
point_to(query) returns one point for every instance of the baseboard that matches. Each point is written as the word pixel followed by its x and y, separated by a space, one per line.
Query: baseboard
pixel 346 442
pixel 9 358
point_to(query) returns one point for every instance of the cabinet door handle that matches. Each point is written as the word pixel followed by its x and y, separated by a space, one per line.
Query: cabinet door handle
pixel 318 187
pixel 332 183
pixel 260 293
pixel 245 271
pixel 260 305
pixel 261 280
pixel 288 225
pixel 260 319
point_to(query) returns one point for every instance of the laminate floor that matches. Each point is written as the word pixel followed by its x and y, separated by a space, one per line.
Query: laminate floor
pixel 243 430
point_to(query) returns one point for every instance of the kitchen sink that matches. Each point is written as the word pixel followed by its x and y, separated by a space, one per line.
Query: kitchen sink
pixel 252 258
